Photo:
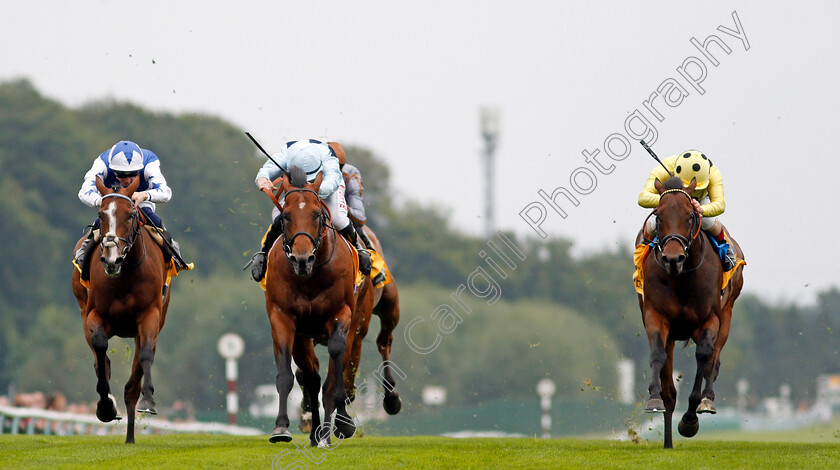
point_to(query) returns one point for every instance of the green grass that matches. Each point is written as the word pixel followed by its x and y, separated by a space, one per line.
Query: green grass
pixel 197 451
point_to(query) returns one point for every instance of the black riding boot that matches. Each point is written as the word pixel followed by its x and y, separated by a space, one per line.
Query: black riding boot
pixel 83 253
pixel 172 250
pixel 259 259
pixel 360 230
pixel 349 232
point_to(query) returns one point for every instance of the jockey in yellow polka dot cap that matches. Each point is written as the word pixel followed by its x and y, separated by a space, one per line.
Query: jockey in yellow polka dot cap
pixel 708 194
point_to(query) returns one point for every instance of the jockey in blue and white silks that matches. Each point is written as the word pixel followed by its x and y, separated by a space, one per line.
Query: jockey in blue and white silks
pixel 118 167
pixel 313 157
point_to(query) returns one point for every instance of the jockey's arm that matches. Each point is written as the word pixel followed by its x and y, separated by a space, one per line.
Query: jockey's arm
pixel 649 197
pixel 88 193
pixel 332 174
pixel 158 190
pixel 717 204
pixel 269 170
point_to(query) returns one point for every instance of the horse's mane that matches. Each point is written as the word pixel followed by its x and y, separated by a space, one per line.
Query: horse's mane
pixel 674 182
pixel 297 177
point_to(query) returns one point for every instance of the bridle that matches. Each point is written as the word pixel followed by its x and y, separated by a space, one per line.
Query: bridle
pixel 323 225
pixel 111 238
pixel 685 243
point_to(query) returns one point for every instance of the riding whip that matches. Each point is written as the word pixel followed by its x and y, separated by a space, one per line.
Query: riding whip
pixel 649 150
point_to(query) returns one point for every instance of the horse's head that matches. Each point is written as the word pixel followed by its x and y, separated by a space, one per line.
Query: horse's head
pixel 119 225
pixel 678 223
pixel 304 220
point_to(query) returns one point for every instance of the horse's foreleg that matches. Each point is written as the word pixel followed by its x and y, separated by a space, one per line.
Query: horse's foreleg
pixel 669 392
pixel 337 347
pixel 310 382
pixel 147 330
pixel 97 338
pixel 389 315
pixel 283 336
pixel 708 353
pixel 657 333
pixel 132 391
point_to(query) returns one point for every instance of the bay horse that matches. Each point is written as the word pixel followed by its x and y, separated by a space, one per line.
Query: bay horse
pixel 125 299
pixel 384 303
pixel 310 298
pixel 683 301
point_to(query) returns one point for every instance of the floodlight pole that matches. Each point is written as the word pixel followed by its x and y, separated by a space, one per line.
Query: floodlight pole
pixel 489 120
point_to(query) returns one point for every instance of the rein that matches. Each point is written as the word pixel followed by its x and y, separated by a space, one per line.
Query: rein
pixel 685 243
pixel 135 230
pixel 323 226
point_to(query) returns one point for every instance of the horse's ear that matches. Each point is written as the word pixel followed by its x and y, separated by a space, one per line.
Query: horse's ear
pixel 132 187
pixel 284 183
pixel 103 190
pixel 692 185
pixel 659 186
pixel 316 185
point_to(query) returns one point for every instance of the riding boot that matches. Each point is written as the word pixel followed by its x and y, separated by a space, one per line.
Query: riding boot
pixel 360 229
pixel 172 250
pixel 349 232
pixel 259 260
pixel 84 251
pixel 730 260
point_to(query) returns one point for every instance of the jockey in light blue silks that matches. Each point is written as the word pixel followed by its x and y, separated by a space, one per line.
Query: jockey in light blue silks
pixel 313 157
pixel 117 167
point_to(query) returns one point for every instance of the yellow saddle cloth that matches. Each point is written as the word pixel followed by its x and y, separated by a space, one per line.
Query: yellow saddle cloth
pixel 641 253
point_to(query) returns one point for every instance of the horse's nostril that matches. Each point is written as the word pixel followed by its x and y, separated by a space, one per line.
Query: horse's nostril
pixel 118 261
pixel 681 258
pixel 310 259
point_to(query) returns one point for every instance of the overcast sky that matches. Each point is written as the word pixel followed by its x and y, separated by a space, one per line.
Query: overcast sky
pixel 407 80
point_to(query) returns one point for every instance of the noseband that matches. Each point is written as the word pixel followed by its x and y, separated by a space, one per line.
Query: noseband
pixel 135 229
pixel 322 225
pixel 684 242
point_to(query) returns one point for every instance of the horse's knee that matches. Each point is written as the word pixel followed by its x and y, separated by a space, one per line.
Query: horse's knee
pixel 658 357
pixel 146 354
pixel 337 344
pixel 705 350
pixel 99 341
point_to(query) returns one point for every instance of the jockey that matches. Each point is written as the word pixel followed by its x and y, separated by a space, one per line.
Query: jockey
pixel 313 157
pixel 353 193
pixel 118 167
pixel 707 200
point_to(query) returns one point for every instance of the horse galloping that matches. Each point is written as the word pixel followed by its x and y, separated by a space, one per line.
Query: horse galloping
pixel 125 299
pixel 310 282
pixel 683 301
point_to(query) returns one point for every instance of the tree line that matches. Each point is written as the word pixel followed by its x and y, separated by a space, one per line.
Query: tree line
pixel 561 316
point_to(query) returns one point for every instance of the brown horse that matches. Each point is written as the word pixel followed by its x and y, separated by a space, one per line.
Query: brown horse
pixel 683 301
pixel 310 298
pixel 125 299
pixel 385 303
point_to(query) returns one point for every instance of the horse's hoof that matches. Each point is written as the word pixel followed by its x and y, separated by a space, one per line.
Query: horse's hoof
pixel 106 411
pixel 706 406
pixel 305 424
pixel 280 434
pixel 688 429
pixel 655 405
pixel 392 404
pixel 344 427
pixel 147 405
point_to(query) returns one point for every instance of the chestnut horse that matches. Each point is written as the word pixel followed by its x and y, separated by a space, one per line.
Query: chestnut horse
pixel 384 303
pixel 683 301
pixel 125 299
pixel 310 297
